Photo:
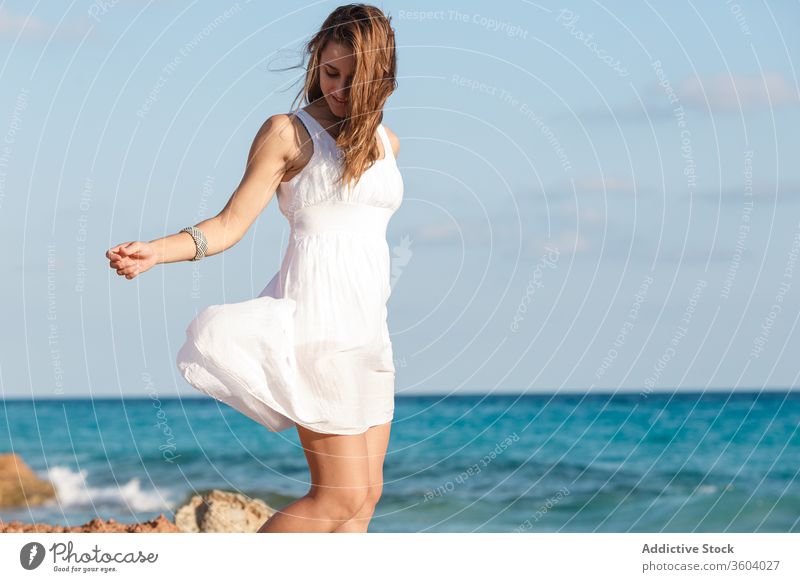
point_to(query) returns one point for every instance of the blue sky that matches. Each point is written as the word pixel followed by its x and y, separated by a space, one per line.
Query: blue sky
pixel 598 196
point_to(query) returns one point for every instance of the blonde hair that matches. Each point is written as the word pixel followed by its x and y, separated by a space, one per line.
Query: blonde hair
pixel 367 32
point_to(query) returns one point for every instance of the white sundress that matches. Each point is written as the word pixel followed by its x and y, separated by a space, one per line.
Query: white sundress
pixel 313 348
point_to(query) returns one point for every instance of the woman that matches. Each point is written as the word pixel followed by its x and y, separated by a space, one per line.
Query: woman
pixel 312 351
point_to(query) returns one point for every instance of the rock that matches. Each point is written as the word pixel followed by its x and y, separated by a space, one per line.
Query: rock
pixel 158 525
pixel 222 511
pixel 19 485
pixel 217 512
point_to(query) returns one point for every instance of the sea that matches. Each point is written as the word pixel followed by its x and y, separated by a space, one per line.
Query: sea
pixel 635 462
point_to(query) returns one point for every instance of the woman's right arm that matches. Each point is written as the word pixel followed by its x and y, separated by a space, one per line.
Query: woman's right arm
pixel 270 154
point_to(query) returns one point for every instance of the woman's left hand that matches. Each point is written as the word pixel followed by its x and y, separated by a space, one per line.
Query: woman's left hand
pixel 131 259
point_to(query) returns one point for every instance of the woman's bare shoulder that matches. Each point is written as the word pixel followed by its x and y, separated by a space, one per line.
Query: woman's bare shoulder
pixel 282 134
pixel 279 130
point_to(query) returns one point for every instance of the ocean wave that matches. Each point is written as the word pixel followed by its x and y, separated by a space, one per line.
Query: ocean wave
pixel 72 490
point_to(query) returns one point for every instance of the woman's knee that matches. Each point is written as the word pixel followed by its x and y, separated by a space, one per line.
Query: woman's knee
pixel 343 502
pixel 374 494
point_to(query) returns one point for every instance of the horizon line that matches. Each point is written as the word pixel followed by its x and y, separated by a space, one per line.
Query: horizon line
pixel 569 392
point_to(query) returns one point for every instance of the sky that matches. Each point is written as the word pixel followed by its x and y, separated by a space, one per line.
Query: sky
pixel 598 196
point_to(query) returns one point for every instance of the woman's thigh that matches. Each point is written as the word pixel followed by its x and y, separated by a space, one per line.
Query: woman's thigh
pixel 339 464
pixel 377 443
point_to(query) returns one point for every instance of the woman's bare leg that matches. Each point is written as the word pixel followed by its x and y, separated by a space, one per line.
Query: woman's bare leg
pixel 339 468
pixel 377 443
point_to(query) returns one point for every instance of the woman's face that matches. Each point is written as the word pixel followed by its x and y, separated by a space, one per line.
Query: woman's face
pixel 336 76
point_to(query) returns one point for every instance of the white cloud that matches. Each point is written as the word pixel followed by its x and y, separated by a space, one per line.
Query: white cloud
pixel 607 184
pixel 440 232
pixel 29 27
pixel 566 241
pixel 11 25
pixel 734 92
pixel 718 93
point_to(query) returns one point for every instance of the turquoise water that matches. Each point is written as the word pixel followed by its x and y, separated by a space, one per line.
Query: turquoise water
pixel 714 462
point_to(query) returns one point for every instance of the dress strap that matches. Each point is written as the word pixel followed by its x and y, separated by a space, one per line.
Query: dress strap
pixel 387 145
pixel 312 127
pixel 308 120
pixel 319 135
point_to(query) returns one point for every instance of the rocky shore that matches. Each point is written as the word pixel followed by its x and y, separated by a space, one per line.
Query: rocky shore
pixel 159 525
pixel 217 511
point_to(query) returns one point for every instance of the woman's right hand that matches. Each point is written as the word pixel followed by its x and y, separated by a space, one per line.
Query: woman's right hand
pixel 132 258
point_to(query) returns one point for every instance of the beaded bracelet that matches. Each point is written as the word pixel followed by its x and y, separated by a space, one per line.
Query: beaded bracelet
pixel 200 242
